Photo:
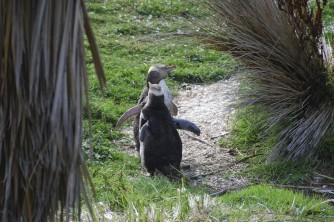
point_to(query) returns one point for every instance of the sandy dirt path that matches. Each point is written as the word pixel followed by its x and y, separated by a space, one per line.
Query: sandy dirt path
pixel 209 107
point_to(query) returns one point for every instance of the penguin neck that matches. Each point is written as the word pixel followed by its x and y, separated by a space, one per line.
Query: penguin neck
pixel 156 102
pixel 163 85
pixel 167 95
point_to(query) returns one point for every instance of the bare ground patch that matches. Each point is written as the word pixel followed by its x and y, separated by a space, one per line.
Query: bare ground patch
pixel 209 107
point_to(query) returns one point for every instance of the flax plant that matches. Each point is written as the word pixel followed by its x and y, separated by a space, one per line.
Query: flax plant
pixel 43 81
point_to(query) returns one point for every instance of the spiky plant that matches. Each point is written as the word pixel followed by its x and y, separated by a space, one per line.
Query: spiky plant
pixel 280 42
pixel 42 79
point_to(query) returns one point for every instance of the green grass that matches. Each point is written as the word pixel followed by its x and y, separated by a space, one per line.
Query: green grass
pixel 132 35
pixel 267 203
pixel 121 187
pixel 328 15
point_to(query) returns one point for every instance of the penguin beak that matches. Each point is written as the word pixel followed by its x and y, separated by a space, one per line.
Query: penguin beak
pixel 164 71
pixel 168 69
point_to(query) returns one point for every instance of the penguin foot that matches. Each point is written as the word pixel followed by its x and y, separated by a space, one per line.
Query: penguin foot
pixel 185 167
pixel 148 174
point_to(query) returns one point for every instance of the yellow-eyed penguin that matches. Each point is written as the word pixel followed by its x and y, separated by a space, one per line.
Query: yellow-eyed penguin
pixel 161 145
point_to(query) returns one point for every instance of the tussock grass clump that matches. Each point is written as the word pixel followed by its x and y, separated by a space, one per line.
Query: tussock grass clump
pixel 289 65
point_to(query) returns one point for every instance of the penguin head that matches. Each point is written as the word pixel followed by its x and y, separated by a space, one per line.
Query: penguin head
pixel 158 72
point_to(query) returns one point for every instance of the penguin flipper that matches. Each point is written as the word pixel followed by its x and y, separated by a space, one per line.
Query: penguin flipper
pixel 186 125
pixel 131 112
pixel 143 131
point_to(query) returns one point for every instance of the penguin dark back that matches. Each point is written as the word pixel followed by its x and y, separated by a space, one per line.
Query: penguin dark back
pixel 161 145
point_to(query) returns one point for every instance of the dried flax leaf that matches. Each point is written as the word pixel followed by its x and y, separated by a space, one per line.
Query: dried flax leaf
pixel 43 74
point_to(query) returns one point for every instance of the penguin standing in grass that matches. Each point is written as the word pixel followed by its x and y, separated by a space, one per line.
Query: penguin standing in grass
pixel 156 75
pixel 160 143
